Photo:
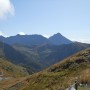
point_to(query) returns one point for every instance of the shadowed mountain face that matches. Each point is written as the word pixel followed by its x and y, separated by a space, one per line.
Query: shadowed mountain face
pixel 35 58
pixel 26 40
pixel 63 74
pixel 2 38
pixel 52 54
pixel 30 40
pixel 58 39
pixel 18 58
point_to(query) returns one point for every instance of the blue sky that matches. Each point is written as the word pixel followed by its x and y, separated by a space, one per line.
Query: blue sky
pixel 69 17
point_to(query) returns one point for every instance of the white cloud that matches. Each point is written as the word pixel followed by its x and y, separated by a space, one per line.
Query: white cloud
pixel 47 36
pixel 82 40
pixel 85 40
pixel 6 7
pixel 1 33
pixel 21 33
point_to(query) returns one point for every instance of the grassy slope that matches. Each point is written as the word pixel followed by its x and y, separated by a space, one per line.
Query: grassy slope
pixel 63 74
pixel 11 70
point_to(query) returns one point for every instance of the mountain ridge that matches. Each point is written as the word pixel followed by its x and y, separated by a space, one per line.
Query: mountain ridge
pixel 35 39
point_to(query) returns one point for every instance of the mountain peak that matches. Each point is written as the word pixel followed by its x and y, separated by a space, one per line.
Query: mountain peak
pixel 58 33
pixel 58 39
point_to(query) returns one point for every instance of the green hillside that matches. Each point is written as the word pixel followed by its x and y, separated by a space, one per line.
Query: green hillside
pixel 11 70
pixel 60 76
pixel 10 73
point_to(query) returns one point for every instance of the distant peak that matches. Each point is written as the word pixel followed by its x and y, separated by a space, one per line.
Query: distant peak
pixel 58 34
pixel 58 39
pixel 18 35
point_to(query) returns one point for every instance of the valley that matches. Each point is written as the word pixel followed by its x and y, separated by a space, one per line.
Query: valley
pixel 43 67
pixel 57 77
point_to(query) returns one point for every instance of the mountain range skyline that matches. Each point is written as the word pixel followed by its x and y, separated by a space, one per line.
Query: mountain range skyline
pixel 46 36
pixel 71 18
pixel 23 34
pixel 35 39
